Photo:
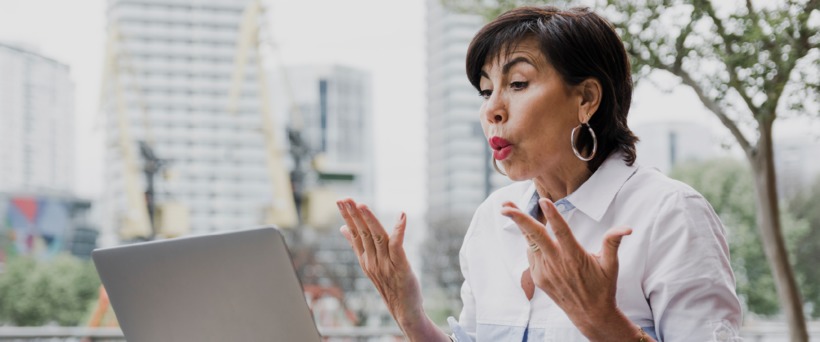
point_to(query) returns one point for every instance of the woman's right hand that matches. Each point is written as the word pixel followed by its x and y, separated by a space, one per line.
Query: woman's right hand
pixel 383 260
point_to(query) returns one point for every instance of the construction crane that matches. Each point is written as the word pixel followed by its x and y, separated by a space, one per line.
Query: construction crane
pixel 144 218
pixel 283 212
pixel 136 222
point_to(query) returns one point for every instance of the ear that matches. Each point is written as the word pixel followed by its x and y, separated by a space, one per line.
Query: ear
pixel 590 98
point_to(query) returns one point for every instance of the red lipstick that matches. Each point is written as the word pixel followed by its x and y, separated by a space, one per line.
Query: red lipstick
pixel 501 147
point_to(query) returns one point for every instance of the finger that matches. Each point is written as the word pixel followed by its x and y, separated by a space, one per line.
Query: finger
pixel 566 240
pixel 345 230
pixel 351 226
pixel 396 244
pixel 365 235
pixel 609 249
pixel 533 230
pixel 377 233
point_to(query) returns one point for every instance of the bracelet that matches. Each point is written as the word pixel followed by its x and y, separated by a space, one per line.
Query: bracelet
pixel 642 337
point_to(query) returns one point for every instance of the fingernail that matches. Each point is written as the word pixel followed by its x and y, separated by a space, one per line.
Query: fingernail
pixel 545 205
pixel 403 216
pixel 339 204
pixel 348 205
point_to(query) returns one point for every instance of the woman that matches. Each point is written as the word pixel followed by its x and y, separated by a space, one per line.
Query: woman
pixel 546 258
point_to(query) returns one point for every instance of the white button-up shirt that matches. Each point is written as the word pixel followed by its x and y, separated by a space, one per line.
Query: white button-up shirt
pixel 674 280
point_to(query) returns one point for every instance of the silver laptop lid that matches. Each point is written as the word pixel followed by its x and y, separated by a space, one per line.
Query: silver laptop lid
pixel 234 286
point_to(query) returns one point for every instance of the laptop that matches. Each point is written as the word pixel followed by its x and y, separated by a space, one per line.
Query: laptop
pixel 233 286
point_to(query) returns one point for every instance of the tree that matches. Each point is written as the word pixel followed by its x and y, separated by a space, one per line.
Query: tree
pixel 739 61
pixel 34 293
pixel 727 185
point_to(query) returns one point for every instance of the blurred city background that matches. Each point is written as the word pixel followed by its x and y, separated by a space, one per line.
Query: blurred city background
pixel 135 120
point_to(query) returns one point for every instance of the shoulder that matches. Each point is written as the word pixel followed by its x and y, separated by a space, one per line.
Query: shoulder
pixel 650 186
pixel 675 208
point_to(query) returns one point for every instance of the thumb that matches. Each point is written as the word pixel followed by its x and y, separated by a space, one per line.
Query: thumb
pixel 395 246
pixel 609 249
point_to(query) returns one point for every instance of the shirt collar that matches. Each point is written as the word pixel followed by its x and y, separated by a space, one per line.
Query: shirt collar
pixel 594 197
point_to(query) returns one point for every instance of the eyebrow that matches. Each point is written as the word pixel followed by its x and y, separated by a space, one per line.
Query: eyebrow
pixel 506 68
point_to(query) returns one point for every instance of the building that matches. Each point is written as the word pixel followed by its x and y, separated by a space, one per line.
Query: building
pixel 665 144
pixel 459 170
pixel 459 174
pixel 39 216
pixel 36 122
pixel 173 68
pixel 42 226
pixel 332 106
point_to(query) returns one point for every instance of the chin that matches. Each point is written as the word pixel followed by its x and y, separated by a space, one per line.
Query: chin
pixel 515 174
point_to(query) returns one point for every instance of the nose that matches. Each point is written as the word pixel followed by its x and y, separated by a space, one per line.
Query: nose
pixel 495 111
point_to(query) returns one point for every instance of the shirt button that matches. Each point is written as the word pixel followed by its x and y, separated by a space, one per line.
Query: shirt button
pixel 561 207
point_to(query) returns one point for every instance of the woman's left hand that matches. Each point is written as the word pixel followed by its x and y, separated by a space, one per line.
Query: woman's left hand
pixel 580 283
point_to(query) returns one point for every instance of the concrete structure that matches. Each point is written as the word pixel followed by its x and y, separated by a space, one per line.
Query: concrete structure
pixel 36 123
pixel 459 170
pixel 459 173
pixel 175 64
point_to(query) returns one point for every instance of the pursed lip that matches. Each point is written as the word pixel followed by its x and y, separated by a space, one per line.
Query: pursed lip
pixel 498 143
pixel 501 147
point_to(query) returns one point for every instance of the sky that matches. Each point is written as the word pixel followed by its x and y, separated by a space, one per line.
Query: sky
pixel 385 37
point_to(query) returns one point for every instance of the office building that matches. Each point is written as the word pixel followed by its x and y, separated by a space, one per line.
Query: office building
pixel 36 122
pixel 172 69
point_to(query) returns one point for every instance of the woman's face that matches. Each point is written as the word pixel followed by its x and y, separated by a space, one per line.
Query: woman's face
pixel 528 112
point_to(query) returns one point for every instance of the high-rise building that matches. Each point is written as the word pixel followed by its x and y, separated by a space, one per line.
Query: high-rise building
pixel 173 70
pixel 459 169
pixel 36 123
pixel 39 216
pixel 459 174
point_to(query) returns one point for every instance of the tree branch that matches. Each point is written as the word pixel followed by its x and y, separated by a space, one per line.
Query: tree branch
pixel 769 44
pixel 712 106
pixel 684 32
pixel 687 79
pixel 734 81
pixel 799 49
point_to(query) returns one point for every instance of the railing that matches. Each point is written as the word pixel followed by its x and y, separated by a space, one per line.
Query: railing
pixel 32 334
pixel 756 332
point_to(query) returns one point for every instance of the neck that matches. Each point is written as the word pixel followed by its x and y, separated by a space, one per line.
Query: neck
pixel 557 183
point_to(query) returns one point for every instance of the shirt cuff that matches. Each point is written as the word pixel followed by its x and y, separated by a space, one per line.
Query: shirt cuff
pixel 459 335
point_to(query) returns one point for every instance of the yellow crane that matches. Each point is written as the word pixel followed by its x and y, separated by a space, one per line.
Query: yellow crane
pixel 137 222
pixel 317 206
pixel 282 212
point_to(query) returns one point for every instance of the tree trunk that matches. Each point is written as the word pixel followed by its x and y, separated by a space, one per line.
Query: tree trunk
pixel 768 219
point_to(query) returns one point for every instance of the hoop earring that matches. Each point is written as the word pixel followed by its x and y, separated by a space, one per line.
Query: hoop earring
pixel 497 169
pixel 594 143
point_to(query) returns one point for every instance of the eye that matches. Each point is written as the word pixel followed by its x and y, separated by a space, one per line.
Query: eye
pixel 485 93
pixel 518 85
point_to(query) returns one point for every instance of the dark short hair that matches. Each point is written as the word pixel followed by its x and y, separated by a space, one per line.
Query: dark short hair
pixel 579 44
